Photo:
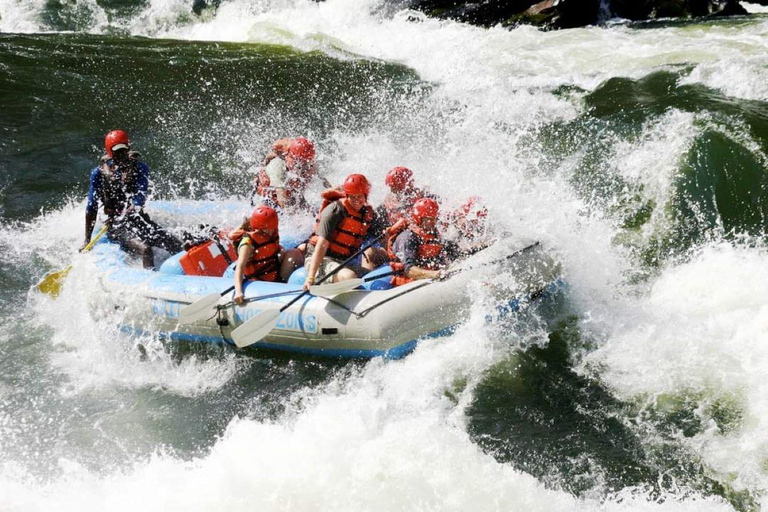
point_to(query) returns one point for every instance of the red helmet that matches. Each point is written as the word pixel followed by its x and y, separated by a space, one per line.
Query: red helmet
pixel 302 149
pixel 357 184
pixel 399 178
pixel 263 217
pixel 424 207
pixel 116 139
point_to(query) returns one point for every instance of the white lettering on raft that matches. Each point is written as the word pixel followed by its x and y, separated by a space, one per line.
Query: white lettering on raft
pixel 288 321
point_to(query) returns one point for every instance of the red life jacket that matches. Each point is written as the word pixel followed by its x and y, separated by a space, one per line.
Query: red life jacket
pixel 264 186
pixel 210 258
pixel 430 254
pixel 264 264
pixel 349 234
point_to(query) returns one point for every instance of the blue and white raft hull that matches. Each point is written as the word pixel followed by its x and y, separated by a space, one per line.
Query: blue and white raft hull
pixel 361 323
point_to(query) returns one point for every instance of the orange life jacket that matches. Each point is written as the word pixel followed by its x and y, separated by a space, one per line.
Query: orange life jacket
pixel 264 264
pixel 430 253
pixel 264 186
pixel 210 258
pixel 349 234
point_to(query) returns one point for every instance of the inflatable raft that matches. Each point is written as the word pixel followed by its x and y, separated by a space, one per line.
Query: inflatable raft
pixel 374 320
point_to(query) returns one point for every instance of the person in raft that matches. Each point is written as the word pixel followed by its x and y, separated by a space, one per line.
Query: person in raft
pixel 286 173
pixel 401 196
pixel 467 226
pixel 419 251
pixel 342 225
pixel 259 254
pixel 120 184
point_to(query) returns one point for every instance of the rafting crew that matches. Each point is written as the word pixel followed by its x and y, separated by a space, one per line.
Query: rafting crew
pixel 120 183
pixel 419 251
pixel 420 244
pixel 342 225
pixel 285 174
pixel 260 256
pixel 402 195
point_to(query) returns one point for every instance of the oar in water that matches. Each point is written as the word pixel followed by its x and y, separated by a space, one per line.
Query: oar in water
pixel 260 325
pixel 52 282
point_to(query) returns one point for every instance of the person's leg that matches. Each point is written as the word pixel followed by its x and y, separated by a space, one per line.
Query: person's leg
pixel 290 260
pixel 344 274
pixel 136 246
pixel 124 232
pixel 153 234
pixel 374 257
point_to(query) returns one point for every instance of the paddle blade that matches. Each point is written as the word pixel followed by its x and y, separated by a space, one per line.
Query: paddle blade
pixel 200 309
pixel 256 328
pixel 53 281
pixel 329 290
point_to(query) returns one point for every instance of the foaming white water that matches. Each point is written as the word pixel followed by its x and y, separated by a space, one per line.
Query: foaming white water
pixel 386 437
pixel 92 353
pixel 472 59
pixel 755 8
pixel 703 332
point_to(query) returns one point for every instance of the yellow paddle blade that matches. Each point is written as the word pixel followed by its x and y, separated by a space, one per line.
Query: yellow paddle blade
pixel 53 281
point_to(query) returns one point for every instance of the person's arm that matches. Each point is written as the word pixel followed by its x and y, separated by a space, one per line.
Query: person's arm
pixel 405 250
pixel 329 221
pixel 142 186
pixel 281 197
pixel 90 222
pixel 244 254
pixel 317 259
pixel 279 150
pixel 92 206
pixel 416 273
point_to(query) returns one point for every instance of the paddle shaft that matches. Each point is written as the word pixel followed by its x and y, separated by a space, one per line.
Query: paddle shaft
pixel 494 262
pixel 336 270
pixel 95 239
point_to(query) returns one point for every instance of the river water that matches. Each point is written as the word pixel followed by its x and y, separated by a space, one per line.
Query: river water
pixel 636 154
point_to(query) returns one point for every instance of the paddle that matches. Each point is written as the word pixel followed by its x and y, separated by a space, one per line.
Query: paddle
pixel 201 308
pixel 329 290
pixel 492 262
pixel 52 282
pixel 260 325
pixel 204 308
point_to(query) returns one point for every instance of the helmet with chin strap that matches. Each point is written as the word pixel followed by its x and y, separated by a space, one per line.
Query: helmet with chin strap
pixel 357 184
pixel 116 139
pixel 263 217
pixel 424 208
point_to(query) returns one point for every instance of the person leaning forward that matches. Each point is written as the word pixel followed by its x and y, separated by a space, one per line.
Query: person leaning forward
pixel 260 255
pixel 120 184
pixel 419 251
pixel 341 227
pixel 285 174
